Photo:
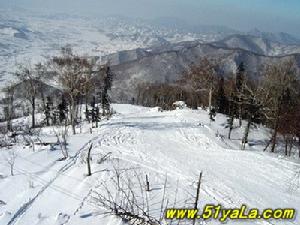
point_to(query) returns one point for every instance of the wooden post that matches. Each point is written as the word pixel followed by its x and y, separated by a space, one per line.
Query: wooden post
pixel 147 184
pixel 88 160
pixel 197 195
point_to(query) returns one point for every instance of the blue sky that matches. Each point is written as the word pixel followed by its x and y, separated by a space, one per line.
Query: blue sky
pixel 267 15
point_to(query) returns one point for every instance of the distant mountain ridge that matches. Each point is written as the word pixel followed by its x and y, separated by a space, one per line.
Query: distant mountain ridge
pixel 175 23
pixel 166 64
pixel 281 37
pixel 138 50
pixel 258 45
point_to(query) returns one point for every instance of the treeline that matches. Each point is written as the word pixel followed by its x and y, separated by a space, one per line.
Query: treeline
pixel 81 87
pixel 78 82
pixel 164 95
pixel 272 100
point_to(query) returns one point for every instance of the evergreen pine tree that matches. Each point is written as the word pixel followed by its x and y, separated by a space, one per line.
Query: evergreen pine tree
pixel 48 110
pixel 222 101
pixel 107 86
pixel 231 113
pixel 252 115
pixel 240 79
pixel 240 76
pixel 95 112
pixel 63 109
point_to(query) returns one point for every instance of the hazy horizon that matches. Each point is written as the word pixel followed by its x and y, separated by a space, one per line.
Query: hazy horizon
pixel 265 15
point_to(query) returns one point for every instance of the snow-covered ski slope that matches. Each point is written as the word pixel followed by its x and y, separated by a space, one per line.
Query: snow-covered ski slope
pixel 174 144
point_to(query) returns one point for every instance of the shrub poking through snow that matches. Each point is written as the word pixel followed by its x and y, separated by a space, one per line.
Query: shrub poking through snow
pixel 130 195
pixel 10 159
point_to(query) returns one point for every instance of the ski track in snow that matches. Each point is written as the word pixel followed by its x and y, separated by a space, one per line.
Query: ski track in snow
pixel 199 137
pixel 22 210
pixel 222 197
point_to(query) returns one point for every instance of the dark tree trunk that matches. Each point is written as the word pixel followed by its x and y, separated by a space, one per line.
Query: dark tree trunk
pixel 247 129
pixel 9 126
pixel 33 111
pixel 240 114
pixel 230 126
pixel 73 115
pixel 291 143
pixel 274 136
pixel 87 110
pixel 286 146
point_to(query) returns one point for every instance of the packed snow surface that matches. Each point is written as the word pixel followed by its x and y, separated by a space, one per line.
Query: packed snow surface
pixel 174 144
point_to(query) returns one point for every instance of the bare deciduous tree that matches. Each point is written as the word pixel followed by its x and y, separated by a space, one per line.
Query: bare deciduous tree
pixel 203 77
pixel 61 133
pixel 31 136
pixel 72 73
pixel 279 83
pixel 9 92
pixel 30 79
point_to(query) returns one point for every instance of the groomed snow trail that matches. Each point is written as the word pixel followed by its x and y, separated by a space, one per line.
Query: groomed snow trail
pixel 174 143
pixel 177 145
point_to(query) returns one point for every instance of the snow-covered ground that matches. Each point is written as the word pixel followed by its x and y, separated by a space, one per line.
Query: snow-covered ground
pixel 176 145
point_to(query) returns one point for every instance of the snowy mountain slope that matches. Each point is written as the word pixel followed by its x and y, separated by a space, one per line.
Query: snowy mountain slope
pixel 177 144
pixel 258 45
pixel 280 37
pixel 167 64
